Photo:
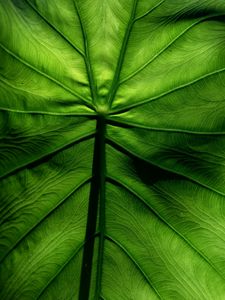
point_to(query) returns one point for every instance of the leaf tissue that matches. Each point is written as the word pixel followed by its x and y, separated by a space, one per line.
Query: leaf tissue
pixel 112 149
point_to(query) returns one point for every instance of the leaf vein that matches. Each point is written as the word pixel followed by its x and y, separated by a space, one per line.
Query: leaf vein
pixel 154 98
pixel 86 56
pixel 117 122
pixel 116 144
pixel 157 214
pixel 25 234
pixel 55 28
pixel 115 80
pixel 166 47
pixel 124 250
pixel 46 76
pixel 61 148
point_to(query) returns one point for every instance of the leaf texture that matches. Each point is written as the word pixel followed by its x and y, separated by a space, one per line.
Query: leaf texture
pixel 112 159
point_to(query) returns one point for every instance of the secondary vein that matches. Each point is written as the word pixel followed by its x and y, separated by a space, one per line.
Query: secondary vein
pixel 115 80
pixel 87 57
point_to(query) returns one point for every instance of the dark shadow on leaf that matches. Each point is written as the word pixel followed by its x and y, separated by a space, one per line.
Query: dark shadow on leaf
pixel 191 13
pixel 150 174
pixel 147 172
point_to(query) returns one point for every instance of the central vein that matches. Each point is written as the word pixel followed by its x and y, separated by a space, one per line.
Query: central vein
pixel 101 128
pixel 96 201
pixel 97 192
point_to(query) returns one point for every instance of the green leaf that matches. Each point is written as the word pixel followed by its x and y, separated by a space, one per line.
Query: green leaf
pixel 112 157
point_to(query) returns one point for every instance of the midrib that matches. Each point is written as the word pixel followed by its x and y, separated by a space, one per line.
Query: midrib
pixel 96 203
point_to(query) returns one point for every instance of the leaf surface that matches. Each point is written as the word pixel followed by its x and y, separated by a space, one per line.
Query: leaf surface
pixel 112 159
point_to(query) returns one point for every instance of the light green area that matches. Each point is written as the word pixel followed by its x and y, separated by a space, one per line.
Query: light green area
pixel 153 72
